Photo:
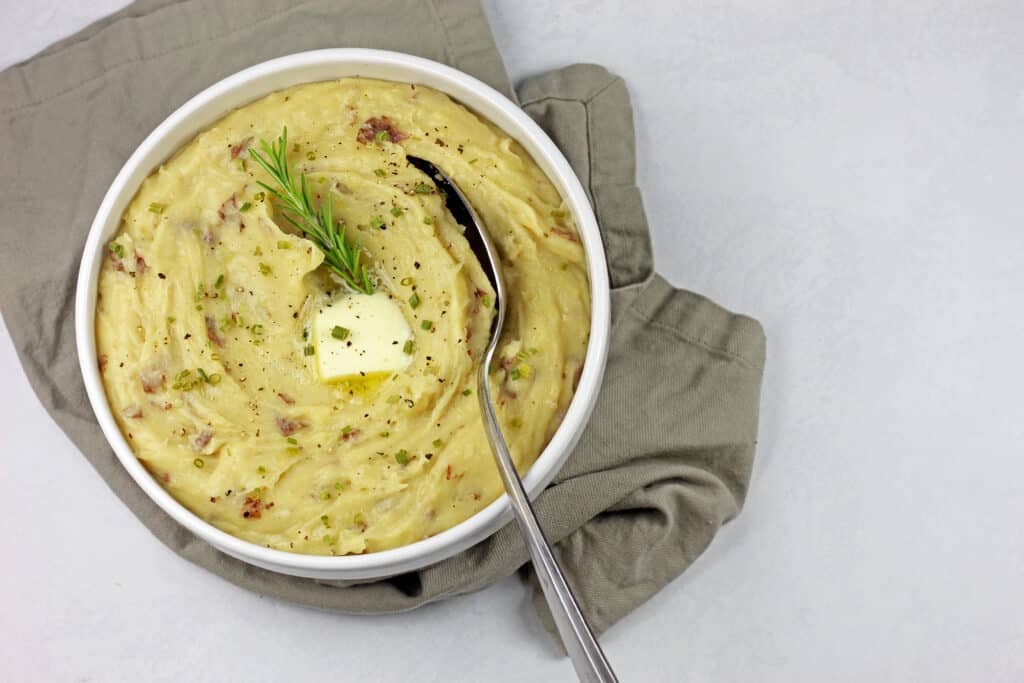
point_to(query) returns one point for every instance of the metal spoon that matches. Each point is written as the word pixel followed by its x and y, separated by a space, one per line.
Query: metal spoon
pixel 584 651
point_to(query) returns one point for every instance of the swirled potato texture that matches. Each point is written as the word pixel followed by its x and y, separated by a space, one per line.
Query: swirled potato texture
pixel 208 299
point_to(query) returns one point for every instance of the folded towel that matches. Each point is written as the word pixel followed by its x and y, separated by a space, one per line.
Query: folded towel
pixel 666 457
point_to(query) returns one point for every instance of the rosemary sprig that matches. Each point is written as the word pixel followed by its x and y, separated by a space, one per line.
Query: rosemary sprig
pixel 342 255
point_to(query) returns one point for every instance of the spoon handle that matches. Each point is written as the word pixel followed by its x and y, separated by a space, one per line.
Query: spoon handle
pixel 583 648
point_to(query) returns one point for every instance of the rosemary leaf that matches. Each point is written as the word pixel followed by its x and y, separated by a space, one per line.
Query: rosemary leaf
pixel 341 254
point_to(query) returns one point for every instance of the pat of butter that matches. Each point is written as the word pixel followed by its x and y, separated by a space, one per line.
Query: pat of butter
pixel 359 335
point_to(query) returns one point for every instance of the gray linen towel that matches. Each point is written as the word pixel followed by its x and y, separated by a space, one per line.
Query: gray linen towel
pixel 666 458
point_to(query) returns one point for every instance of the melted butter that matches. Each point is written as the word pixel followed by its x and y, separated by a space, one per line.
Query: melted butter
pixel 361 385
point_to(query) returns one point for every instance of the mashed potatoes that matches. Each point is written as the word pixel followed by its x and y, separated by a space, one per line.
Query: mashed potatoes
pixel 208 300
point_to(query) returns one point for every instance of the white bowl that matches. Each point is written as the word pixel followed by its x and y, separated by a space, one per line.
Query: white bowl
pixel 208 107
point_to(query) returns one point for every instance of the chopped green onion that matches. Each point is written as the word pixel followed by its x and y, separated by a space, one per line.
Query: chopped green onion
pixel 117 249
pixel 198 462
pixel 170 319
pixel 243 165
pixel 438 443
pixel 261 470
pixel 414 300
pixel 558 213
pixel 379 172
pixel 220 281
pixel 311 155
pixel 514 374
pixel 473 161
pixel 423 188
pixel 338 485
pixel 394 399
pixel 383 135
pixel 256 329
pixel 284 244
pixel 340 333
pixel 395 211
pixel 377 222
pixel 257 251
pixel 427 325
pixel 408 347
pixel 429 220
pixel 466 392
pixel 309 350
pixel 265 269
pixel 293 450
pixel 485 301
pixel 214 379
pixel 359 519
pixel 515 422
pixel 202 374
pixel 245 207
pixel 565 265
pixel 157 207
pixel 402 457
pixel 385 435
pixel 406 281
pixel 325 495
pixel 347 429
pixel 326 521
pixel 259 196
pixel 292 439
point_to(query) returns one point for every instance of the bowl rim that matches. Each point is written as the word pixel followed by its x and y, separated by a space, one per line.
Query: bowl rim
pixel 481 524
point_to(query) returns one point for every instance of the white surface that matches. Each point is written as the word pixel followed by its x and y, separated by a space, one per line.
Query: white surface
pixel 205 109
pixel 851 177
